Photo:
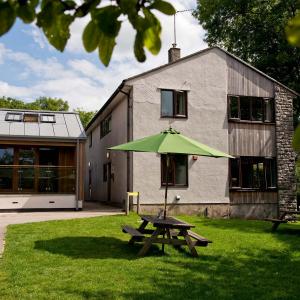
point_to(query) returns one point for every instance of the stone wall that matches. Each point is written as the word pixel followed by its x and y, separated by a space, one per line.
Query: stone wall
pixel 285 154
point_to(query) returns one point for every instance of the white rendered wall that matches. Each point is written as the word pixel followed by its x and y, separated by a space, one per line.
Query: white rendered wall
pixel 38 201
pixel 97 156
pixel 205 77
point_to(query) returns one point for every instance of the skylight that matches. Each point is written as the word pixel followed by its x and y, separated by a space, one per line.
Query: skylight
pixel 47 118
pixel 15 117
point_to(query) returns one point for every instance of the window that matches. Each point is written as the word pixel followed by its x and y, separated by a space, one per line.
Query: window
pixel 33 118
pixel 91 139
pixel 173 104
pixel 105 127
pixel 178 170
pixel 253 109
pixel 6 169
pixel 15 117
pixel 257 173
pixel 47 118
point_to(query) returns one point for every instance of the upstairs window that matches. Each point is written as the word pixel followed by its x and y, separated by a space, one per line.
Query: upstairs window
pixel 173 104
pixel 177 172
pixel 32 118
pixel 105 127
pixel 251 109
pixel 257 173
pixel 15 117
pixel 47 118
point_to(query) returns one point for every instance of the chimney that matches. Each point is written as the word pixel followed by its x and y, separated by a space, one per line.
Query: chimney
pixel 174 53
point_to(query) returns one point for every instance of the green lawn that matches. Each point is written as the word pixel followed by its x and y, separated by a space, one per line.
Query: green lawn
pixel 90 259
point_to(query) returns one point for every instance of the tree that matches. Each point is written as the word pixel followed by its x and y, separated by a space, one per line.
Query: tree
pixel 45 103
pixel 85 116
pixel 255 30
pixel 54 17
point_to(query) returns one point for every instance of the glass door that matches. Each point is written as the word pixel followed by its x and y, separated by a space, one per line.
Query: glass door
pixel 26 171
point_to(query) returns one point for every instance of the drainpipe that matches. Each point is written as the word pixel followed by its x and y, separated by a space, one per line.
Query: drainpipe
pixel 77 175
pixel 128 137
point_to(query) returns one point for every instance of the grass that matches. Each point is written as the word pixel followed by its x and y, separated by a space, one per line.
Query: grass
pixel 90 259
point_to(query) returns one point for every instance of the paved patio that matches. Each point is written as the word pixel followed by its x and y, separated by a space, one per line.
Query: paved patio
pixel 90 210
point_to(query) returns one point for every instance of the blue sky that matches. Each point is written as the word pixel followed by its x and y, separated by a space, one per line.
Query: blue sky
pixel 31 68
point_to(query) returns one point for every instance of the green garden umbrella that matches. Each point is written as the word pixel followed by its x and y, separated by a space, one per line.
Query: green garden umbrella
pixel 169 142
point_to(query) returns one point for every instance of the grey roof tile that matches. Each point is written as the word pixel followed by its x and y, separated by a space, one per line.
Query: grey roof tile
pixel 16 128
pixel 60 130
pixel 32 129
pixel 46 129
pixel 4 128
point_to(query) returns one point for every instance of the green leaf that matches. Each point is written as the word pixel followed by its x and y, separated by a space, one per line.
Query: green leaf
pixel 86 7
pixel 105 48
pixel 293 31
pixel 91 37
pixel 26 11
pixel 164 7
pixel 7 17
pixel 152 33
pixel 139 48
pixel 107 20
pixel 55 23
pixel 108 26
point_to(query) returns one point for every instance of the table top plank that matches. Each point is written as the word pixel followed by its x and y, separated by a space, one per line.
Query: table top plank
pixel 168 222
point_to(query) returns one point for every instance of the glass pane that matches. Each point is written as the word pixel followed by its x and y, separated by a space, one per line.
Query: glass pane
pixel 6 178
pixel 26 175
pixel 6 156
pixel 166 103
pixel 180 169
pixel 48 156
pixel 247 173
pixel 31 118
pixel 48 181
pixel 235 177
pixel 170 170
pixel 26 156
pixel 245 103
pixel 26 178
pixel 269 110
pixel 234 107
pixel 257 109
pixel 271 173
pixel 258 174
pixel 180 105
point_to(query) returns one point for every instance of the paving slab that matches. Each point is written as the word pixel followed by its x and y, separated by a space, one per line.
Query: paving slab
pixel 29 217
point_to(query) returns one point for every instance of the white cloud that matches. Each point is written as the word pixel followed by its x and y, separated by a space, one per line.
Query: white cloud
pixel 82 80
pixel 37 36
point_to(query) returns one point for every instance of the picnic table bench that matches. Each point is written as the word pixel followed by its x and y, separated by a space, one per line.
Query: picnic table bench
pixel 166 231
pixel 284 217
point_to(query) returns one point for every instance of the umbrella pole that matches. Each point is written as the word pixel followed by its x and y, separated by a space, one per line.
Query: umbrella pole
pixel 166 197
pixel 167 182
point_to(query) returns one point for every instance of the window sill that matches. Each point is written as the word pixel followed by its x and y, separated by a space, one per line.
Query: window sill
pixel 250 122
pixel 174 186
pixel 174 117
pixel 252 190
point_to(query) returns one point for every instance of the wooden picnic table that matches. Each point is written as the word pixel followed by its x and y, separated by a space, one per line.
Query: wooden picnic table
pixel 167 231
pixel 283 218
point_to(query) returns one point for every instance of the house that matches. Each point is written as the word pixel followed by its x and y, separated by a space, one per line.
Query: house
pixel 41 160
pixel 217 99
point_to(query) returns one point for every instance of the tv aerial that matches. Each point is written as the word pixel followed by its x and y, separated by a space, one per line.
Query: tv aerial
pixel 174 24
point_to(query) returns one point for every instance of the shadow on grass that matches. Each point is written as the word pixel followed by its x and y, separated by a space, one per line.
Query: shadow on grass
pixel 93 247
pixel 251 275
